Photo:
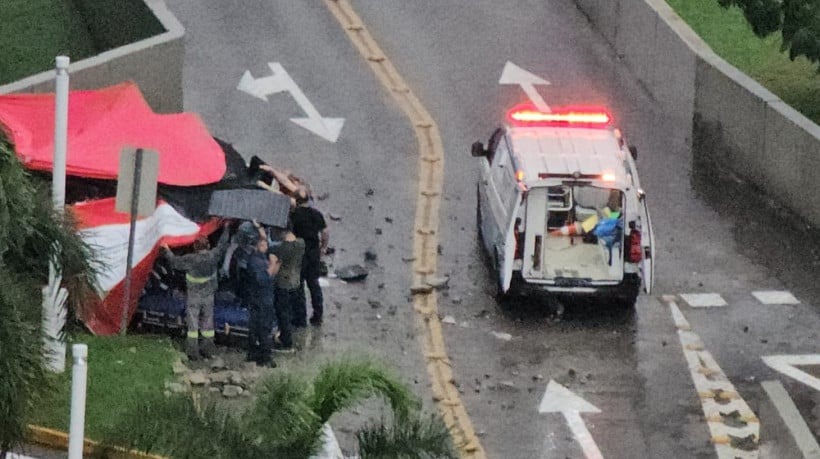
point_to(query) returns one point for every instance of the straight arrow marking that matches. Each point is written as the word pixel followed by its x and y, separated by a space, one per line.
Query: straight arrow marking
pixel 786 365
pixel 513 74
pixel 280 81
pixel 559 399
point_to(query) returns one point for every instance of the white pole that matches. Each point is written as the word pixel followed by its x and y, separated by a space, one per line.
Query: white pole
pixel 54 297
pixel 60 132
pixel 79 375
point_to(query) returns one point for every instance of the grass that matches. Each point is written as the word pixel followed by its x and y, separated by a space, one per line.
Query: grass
pixel 122 371
pixel 33 32
pixel 727 32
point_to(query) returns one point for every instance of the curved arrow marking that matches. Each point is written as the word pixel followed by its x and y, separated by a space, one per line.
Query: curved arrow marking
pixel 559 399
pixel 514 74
pixel 280 81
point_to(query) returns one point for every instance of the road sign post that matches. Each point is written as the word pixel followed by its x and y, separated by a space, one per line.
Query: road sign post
pixel 137 195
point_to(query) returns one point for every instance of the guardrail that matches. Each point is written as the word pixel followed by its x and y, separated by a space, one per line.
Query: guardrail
pixel 154 63
pixel 733 119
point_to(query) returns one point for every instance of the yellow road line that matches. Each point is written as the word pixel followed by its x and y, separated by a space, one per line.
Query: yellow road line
pixel 425 238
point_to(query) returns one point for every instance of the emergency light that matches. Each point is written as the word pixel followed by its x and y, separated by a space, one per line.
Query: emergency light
pixel 527 115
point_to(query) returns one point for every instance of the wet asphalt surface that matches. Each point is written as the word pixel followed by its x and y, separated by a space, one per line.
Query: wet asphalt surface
pixel 629 364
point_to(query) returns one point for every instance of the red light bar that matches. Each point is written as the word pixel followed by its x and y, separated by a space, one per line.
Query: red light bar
pixel 529 116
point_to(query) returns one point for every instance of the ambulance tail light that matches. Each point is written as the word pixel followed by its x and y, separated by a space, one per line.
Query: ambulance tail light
pixel 527 115
pixel 519 175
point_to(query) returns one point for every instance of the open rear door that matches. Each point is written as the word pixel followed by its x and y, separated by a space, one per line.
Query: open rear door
pixel 506 263
pixel 648 246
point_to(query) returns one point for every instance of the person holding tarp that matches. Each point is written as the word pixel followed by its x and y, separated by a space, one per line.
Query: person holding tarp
pixel 200 269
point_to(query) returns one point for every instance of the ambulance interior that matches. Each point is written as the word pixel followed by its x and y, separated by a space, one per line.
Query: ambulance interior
pixel 571 231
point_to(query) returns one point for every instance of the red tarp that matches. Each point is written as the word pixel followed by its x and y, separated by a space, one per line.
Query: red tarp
pixel 106 231
pixel 100 123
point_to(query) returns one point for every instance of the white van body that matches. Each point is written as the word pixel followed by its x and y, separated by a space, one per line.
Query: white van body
pixel 537 185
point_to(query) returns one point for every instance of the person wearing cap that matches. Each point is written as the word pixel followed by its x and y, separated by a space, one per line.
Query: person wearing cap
pixel 258 295
pixel 200 269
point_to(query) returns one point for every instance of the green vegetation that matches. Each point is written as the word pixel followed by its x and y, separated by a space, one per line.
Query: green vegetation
pixel 35 31
pixel 122 372
pixel 286 420
pixel 730 36
pixel 29 233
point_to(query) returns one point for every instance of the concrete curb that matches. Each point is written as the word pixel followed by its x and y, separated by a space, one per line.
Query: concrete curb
pixel 731 118
pixel 55 439
pixel 154 63
pixel 58 440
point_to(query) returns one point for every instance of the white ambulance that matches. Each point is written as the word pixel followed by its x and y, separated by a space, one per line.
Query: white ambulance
pixel 560 207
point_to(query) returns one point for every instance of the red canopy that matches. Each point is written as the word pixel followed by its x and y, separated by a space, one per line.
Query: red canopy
pixel 102 122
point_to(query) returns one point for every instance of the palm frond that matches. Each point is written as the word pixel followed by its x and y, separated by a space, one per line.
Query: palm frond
pixel 282 417
pixel 345 383
pixel 414 437
pixel 22 376
pixel 175 427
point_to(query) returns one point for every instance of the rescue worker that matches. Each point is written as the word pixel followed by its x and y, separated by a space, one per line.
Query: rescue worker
pixel 309 225
pixel 289 255
pixel 200 268
pixel 258 295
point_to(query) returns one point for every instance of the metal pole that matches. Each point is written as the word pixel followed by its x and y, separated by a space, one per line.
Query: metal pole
pixel 79 376
pixel 130 258
pixel 60 133
pixel 54 297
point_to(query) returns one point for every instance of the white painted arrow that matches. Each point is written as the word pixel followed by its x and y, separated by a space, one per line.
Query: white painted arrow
pixel 280 81
pixel 514 74
pixel 559 399
pixel 786 365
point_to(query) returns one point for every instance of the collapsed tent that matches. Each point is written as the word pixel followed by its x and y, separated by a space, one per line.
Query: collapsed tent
pixel 100 124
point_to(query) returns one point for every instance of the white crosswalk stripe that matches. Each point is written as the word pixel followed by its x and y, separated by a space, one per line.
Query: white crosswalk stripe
pixel 704 300
pixel 775 297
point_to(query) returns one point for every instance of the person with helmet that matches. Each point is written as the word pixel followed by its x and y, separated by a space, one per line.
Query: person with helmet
pixel 200 269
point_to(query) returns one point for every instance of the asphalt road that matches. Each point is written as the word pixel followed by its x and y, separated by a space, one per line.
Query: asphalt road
pixel 713 234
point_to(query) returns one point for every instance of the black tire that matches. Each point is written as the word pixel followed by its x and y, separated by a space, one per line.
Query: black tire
pixel 630 288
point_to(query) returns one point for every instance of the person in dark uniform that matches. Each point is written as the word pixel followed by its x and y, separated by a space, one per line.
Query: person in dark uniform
pixel 201 281
pixel 257 285
pixel 309 225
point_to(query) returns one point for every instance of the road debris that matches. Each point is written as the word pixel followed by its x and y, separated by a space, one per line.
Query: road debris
pixel 502 336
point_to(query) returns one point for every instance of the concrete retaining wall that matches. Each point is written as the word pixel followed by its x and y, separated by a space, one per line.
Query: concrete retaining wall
pixel 155 64
pixel 734 120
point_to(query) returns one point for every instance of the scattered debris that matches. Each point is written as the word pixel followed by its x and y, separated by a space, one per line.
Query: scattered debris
pixel 334 217
pixel 370 255
pixel 571 373
pixel 440 250
pixel 179 367
pixel 388 219
pixel 369 192
pixel 352 273
pixel 176 388
pixel 197 379
pixel 438 283
pixel 375 304
pixel 456 300
pixel 220 377
pixel 420 289
pixel 508 386
pixel 231 391
pixel 538 377
pixel 450 320
pixel 464 325
pixel 378 231
pixel 502 336
pixel 218 363
pixel 323 196
pixel 408 259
